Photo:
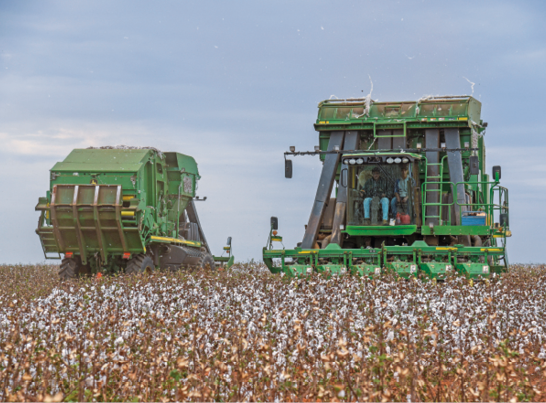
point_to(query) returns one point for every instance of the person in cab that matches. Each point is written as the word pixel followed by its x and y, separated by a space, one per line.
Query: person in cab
pixel 376 186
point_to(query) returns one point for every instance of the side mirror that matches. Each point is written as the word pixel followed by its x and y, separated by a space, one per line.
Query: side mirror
pixel 288 169
pixel 274 223
pixel 228 241
pixel 496 172
pixel 474 165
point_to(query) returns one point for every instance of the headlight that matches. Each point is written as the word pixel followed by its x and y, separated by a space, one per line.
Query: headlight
pixel 346 162
pixel 352 161
pixel 360 161
pixel 405 160
pixel 390 160
pixel 397 160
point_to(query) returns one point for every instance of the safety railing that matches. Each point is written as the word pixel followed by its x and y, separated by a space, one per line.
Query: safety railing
pixel 498 202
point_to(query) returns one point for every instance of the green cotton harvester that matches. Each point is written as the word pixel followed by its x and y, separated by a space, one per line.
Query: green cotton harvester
pixel 124 209
pixel 403 188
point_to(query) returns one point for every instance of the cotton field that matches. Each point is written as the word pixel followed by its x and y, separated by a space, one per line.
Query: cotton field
pixel 248 335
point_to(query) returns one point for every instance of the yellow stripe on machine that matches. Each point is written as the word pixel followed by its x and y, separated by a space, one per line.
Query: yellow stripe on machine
pixel 127 213
pixel 451 249
pixel 166 239
pixel 128 197
pixel 461 118
pixel 491 250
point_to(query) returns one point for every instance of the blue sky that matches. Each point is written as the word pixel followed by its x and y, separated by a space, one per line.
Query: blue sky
pixel 235 83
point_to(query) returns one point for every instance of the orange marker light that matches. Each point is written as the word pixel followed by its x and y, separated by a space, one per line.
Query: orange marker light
pixel 68 255
pixel 274 232
pixel 126 255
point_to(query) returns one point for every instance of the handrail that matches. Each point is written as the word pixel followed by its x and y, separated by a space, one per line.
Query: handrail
pixel 489 208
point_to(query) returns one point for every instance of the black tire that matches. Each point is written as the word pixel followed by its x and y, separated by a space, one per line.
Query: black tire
pixel 140 264
pixel 70 268
pixel 206 262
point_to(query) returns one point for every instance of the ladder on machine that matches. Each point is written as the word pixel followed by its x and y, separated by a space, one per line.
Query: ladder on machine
pixel 431 186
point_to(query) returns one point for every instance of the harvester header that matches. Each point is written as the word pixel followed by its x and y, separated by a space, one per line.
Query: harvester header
pixel 411 193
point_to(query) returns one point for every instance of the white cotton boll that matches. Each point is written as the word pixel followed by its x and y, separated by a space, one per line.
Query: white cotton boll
pixel 118 341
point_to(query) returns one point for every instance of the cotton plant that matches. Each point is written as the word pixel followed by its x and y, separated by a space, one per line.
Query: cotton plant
pixel 245 334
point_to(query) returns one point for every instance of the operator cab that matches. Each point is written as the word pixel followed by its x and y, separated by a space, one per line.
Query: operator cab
pixel 373 183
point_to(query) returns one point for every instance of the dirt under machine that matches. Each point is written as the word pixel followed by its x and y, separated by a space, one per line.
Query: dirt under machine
pixel 124 209
pixel 403 188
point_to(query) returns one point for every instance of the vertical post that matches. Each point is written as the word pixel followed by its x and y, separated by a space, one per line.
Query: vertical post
pixel 455 164
pixel 384 142
pixel 327 177
pixel 192 217
pixel 98 225
pixel 54 221
pixel 77 225
pixel 178 208
pixel 117 205
pixel 432 192
pixel 352 140
pixel 399 142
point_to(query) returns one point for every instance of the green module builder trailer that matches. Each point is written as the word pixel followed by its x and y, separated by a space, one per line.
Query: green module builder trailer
pixel 124 209
pixel 403 188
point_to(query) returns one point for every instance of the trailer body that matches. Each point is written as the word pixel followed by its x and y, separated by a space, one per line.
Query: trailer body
pixel 106 206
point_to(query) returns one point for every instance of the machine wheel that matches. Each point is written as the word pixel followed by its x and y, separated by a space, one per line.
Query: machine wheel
pixel 139 264
pixel 70 268
pixel 206 261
